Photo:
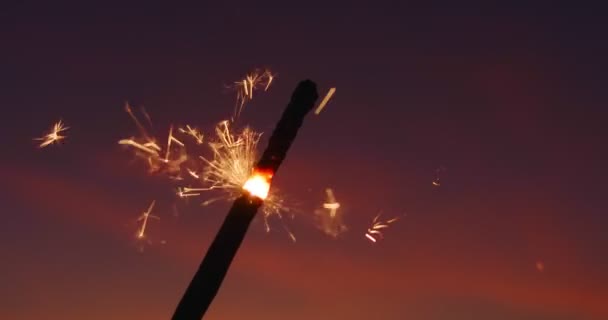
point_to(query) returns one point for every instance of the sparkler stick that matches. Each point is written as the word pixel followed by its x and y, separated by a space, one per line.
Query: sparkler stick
pixel 208 278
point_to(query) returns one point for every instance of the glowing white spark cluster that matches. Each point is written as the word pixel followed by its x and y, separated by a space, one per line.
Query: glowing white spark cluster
pixel 54 135
pixel 245 87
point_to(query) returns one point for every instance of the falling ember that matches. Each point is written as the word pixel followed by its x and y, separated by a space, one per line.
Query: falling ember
pixel 53 136
pixel 141 233
pixel 329 218
pixel 438 172
pixel 372 239
pixel 540 266
pixel 193 132
pixel 245 87
pixel 374 233
pixel 325 100
pixel 258 184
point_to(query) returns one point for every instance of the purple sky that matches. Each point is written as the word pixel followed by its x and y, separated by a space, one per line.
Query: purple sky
pixel 510 99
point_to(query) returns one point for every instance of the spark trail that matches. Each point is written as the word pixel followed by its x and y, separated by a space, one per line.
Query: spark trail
pixel 374 233
pixel 325 100
pixel 245 87
pixel 141 232
pixel 54 135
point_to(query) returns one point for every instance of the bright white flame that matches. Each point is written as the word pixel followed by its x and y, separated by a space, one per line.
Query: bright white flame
pixel 258 185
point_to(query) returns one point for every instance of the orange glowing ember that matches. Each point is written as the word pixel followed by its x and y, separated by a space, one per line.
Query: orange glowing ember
pixel 258 184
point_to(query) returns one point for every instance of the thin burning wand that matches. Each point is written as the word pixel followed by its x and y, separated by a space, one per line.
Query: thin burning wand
pixel 210 274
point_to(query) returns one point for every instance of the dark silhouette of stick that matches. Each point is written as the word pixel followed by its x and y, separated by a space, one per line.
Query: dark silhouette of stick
pixel 208 278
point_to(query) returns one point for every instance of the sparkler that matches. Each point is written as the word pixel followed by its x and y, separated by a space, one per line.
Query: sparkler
pixel 325 100
pixel 374 233
pixel 211 272
pixel 330 220
pixel 245 87
pixel 54 135
pixel 234 154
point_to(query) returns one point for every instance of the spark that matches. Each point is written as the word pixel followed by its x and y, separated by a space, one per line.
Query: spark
pixel 170 139
pixel 147 116
pixel 142 147
pixel 438 172
pixel 329 218
pixel 184 193
pixel 53 136
pixel 325 100
pixel 193 174
pixel 193 132
pixel 245 87
pixel 372 239
pixel 141 233
pixel 374 233
pixel 140 127
pixel 151 151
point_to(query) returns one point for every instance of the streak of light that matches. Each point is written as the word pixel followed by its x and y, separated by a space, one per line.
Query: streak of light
pixel 245 87
pixel 143 147
pixel 372 239
pixel 374 233
pixel 141 233
pixel 193 132
pixel 193 174
pixel 325 100
pixel 54 135
pixel 170 139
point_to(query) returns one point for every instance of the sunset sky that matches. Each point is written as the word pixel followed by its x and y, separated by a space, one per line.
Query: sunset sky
pixel 510 100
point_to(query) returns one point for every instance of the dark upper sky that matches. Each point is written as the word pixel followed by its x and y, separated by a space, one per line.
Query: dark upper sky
pixel 510 99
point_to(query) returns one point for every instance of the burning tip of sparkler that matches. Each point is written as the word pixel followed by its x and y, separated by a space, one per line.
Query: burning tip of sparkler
pixel 258 184
pixel 53 136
